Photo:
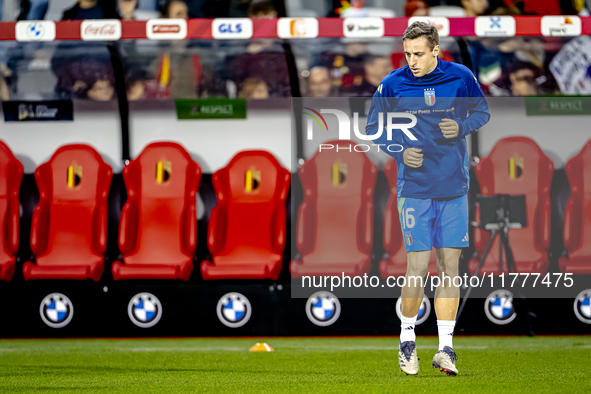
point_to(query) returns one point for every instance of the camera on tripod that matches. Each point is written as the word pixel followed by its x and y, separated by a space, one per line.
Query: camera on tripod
pixel 502 210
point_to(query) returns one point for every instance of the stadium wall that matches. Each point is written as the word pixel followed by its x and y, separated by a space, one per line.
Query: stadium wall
pixel 268 126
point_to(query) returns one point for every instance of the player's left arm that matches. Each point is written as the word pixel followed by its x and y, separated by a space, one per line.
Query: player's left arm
pixel 478 112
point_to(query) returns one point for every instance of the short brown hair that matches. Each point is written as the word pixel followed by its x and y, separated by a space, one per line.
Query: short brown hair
pixel 422 29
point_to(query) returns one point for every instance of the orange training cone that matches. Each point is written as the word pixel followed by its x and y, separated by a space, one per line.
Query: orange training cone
pixel 261 347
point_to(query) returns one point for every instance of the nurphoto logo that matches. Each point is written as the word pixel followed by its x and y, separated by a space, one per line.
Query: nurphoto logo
pixel 344 129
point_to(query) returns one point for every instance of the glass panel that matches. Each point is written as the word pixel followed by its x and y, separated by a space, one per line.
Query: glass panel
pixel 54 70
pixel 347 67
pixel 255 69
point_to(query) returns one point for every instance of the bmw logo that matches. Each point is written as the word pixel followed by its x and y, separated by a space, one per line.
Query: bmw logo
pixel 234 310
pixel 56 310
pixel 583 306
pixel 144 310
pixel 424 310
pixel 499 307
pixel 35 31
pixel 323 308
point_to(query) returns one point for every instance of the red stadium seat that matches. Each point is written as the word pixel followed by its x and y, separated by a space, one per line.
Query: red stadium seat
pixel 577 215
pixel 69 229
pixel 246 234
pixel 517 166
pixel 395 264
pixel 158 228
pixel 11 175
pixel 335 220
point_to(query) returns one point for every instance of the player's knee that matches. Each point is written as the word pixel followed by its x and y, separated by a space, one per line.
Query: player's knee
pixel 449 266
pixel 417 268
pixel 440 265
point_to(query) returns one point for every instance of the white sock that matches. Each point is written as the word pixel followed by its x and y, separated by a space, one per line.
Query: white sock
pixel 446 333
pixel 407 329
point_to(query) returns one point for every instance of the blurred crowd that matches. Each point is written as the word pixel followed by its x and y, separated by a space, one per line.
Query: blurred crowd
pixel 128 9
pixel 472 8
pixel 259 68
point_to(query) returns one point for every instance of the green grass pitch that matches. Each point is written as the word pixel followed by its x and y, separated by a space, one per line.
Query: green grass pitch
pixel 300 365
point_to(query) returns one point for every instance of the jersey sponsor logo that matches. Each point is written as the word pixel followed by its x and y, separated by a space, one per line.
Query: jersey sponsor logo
pixel 494 26
pixel 166 29
pixel 144 310
pixel 234 310
pixel 297 27
pixel 231 28
pixel 363 27
pixel 100 30
pixel 323 308
pixel 56 310
pixel 440 22
pixel 35 31
pixel 466 238
pixel 430 96
pixel 561 26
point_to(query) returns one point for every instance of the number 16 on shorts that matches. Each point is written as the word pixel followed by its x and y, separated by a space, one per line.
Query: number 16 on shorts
pixel 407 222
pixel 437 222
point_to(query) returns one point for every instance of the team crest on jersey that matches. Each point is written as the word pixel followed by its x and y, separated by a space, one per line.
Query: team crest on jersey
pixel 408 238
pixel 430 96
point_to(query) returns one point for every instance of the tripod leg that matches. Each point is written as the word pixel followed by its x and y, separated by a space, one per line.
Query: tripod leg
pixel 519 300
pixel 501 251
pixel 493 234
pixel 508 252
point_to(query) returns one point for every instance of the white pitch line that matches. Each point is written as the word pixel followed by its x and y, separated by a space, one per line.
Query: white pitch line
pixel 320 348
pixel 234 349
pixel 183 349
pixel 339 348
pixel 132 349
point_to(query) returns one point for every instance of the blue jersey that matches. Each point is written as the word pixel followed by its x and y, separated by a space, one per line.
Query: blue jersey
pixel 450 91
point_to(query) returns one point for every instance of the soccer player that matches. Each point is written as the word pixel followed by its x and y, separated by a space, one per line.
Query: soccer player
pixel 432 177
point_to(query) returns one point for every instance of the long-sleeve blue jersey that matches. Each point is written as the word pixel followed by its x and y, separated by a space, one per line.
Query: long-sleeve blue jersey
pixel 450 91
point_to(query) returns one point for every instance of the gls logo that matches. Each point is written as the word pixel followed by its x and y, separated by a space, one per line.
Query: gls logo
pixel 234 28
pixel 345 128
pixel 230 29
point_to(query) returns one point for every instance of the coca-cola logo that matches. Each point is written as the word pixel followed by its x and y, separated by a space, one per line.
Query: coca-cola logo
pixel 105 30
pixel 166 29
pixel 101 30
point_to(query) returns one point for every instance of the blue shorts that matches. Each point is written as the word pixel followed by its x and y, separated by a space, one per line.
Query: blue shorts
pixel 437 222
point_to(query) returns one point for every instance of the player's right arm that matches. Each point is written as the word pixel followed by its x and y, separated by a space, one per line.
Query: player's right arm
pixel 380 103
